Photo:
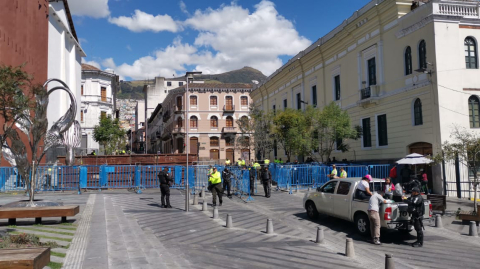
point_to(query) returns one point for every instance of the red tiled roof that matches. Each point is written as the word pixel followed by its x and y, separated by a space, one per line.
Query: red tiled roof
pixel 89 67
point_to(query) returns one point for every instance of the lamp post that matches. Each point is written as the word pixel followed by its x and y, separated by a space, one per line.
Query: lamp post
pixel 188 76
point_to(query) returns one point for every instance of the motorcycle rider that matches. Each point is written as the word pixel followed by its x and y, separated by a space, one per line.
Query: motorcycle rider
pixel 417 209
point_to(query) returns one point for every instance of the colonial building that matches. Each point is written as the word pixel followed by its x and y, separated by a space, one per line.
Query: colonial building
pixel 405 73
pixel 213 110
pixel 97 95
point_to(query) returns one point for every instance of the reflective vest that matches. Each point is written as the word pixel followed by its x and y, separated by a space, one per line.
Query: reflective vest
pixel 343 174
pixel 334 172
pixel 256 165
pixel 239 162
pixel 267 161
pixel 215 178
pixel 243 162
pixel 227 162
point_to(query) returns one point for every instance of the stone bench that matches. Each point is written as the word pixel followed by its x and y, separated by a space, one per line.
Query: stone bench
pixel 14 213
pixel 24 258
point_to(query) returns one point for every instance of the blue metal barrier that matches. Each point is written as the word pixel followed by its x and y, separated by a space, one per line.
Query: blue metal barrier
pixel 379 171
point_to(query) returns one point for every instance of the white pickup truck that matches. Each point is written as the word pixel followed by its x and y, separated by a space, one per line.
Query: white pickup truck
pixel 337 198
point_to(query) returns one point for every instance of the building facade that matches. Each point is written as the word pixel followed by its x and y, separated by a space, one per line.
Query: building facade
pixel 213 111
pixel 97 95
pixel 405 73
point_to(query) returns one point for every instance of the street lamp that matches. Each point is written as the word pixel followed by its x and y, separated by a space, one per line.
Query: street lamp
pixel 188 76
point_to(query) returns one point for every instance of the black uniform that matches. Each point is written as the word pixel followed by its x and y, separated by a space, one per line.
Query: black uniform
pixel 165 179
pixel 227 182
pixel 417 209
pixel 266 181
pixel 252 181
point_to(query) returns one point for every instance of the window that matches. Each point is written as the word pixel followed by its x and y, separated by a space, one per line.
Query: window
pixel 299 101
pixel 103 114
pixel 214 142
pixel 193 122
pixel 285 104
pixel 367 135
pixel 274 110
pixel 193 100
pixel 81 115
pixel 382 130
pixel 408 61
pixel 103 92
pixel 213 100
pixel 417 112
pixel 344 188
pixel 329 187
pixel 81 88
pixel 213 122
pixel 422 55
pixel 244 100
pixel 180 84
pixel 470 53
pixel 473 104
pixel 229 121
pixel 179 122
pixel 229 103
pixel 314 96
pixel 169 83
pixel 337 87
pixel 372 72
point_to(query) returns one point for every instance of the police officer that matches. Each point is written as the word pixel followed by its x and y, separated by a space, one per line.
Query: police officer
pixel 216 179
pixel 227 182
pixel 266 181
pixel 252 180
pixel 266 162
pixel 417 209
pixel 227 162
pixel 165 180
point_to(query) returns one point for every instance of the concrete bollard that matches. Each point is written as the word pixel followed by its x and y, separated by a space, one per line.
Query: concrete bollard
pixel 389 262
pixel 204 205
pixel 195 199
pixel 473 229
pixel 438 221
pixel 349 250
pixel 269 226
pixel 215 213
pixel 229 221
pixel 320 236
pixel 203 193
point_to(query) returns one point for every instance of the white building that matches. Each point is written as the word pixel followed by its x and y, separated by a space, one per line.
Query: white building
pixel 96 101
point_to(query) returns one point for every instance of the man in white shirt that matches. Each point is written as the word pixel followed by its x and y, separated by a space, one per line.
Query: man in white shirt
pixel 374 217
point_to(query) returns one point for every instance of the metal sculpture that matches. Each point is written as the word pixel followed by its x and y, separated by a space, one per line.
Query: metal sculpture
pixel 34 124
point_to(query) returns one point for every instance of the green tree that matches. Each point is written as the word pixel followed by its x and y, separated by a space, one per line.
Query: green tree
pixel 109 134
pixel 291 129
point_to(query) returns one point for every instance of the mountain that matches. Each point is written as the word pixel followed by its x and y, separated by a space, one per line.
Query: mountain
pixel 134 89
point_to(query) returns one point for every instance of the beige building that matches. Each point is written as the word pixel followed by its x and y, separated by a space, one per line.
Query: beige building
pixel 213 110
pixel 405 73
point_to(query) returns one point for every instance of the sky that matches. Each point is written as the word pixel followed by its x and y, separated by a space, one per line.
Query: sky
pixel 143 39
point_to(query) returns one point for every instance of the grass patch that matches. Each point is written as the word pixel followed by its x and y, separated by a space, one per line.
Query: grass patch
pixel 66 247
pixel 23 240
pixel 48 237
pixel 46 231
pixel 65 228
pixel 55 265
pixel 12 226
pixel 58 254
pixel 67 224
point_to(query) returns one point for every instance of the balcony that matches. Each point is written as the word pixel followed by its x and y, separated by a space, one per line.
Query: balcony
pixel 365 93
pixel 166 116
pixel 178 130
pixel 178 109
pixel 228 108
pixel 229 130
pixel 369 95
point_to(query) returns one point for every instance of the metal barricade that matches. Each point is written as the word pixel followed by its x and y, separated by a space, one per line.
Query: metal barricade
pixel 379 170
pixel 10 180
pixel 57 178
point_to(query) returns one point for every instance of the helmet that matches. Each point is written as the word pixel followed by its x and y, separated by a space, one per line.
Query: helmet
pixel 415 189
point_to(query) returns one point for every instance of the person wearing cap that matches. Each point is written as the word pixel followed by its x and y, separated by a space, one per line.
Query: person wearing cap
pixel 417 209
pixel 266 181
pixel 333 174
pixel 363 188
pixel 216 179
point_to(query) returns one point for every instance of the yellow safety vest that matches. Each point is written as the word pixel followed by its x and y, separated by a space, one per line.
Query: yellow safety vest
pixel 256 165
pixel 215 178
pixel 243 162
pixel 343 174
pixel 267 161
pixel 227 162
pixel 334 172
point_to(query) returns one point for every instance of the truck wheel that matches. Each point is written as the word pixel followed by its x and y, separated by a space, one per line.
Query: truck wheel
pixel 362 224
pixel 312 211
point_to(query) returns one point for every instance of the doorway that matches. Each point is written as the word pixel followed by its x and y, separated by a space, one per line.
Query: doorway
pixel 214 154
pixel 193 145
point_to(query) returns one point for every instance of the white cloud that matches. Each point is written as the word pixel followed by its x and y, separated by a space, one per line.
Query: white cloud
pixel 129 48
pixel 89 8
pixel 183 7
pixel 229 38
pixel 82 41
pixel 141 22
pixel 92 63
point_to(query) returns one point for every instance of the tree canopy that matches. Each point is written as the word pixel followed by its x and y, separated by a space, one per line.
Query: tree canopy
pixel 109 134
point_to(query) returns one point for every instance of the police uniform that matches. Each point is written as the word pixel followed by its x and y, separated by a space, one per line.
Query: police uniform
pixel 165 180
pixel 252 180
pixel 216 187
pixel 266 182
pixel 417 209
pixel 227 183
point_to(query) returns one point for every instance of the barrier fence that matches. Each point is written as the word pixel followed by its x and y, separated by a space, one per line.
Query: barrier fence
pixel 243 181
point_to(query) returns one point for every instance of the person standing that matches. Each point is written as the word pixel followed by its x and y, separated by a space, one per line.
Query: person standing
pixel 266 181
pixel 266 162
pixel 165 181
pixel 424 178
pixel 216 188
pixel 389 187
pixel 227 183
pixel 374 217
pixel 333 174
pixel 343 173
pixel 252 173
pixel 239 162
pixel 417 209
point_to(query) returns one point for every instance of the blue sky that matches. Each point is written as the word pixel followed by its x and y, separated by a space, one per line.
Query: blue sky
pixel 141 39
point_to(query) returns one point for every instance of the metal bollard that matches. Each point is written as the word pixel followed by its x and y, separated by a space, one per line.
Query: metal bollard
pixel 438 221
pixel 473 229
pixel 195 199
pixel 215 213
pixel 349 250
pixel 389 262
pixel 320 236
pixel 269 226
pixel 204 205
pixel 229 221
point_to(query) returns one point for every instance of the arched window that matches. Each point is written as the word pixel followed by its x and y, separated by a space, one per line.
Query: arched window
pixel 193 122
pixel 244 100
pixel 408 61
pixel 244 118
pixel 213 100
pixel 229 121
pixel 471 53
pixel 417 112
pixel 422 55
pixel 214 122
pixel 473 104
pixel 179 122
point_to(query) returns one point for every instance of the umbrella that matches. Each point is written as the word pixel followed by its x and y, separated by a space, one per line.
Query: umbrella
pixel 414 158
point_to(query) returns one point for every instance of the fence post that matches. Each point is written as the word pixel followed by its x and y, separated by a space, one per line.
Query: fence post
pixel 83 177
pixel 457 176
pixel 137 176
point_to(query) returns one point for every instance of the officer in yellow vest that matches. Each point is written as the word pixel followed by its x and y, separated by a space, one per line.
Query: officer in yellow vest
pixel 256 165
pixel 343 173
pixel 333 174
pixel 216 187
pixel 266 162
pixel 239 162
pixel 227 162
pixel 243 162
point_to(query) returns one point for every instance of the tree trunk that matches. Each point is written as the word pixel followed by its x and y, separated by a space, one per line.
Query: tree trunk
pixel 32 185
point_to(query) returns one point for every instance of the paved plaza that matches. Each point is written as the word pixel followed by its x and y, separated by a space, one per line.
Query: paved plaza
pixel 120 229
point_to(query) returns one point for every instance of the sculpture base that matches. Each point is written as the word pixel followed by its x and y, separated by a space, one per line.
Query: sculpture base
pixel 36 203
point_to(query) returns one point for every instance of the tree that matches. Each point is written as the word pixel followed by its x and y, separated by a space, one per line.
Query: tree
pixel 109 134
pixel 291 130
pixel 465 146
pixel 244 140
pixel 260 125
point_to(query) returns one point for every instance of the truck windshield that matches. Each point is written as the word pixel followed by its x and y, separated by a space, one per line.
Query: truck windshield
pixel 377 186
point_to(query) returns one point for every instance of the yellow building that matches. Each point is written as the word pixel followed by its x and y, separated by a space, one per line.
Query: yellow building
pixel 405 73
